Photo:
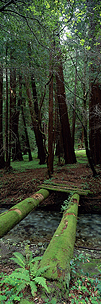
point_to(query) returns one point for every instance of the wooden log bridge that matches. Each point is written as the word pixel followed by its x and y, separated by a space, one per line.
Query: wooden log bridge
pixel 53 186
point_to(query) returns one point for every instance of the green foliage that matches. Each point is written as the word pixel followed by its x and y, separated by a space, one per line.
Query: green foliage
pixel 52 301
pixel 67 202
pixel 29 274
pixel 25 164
pixel 99 282
pixel 83 283
pixel 75 263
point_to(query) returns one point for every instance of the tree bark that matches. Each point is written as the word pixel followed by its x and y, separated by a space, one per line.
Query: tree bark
pixel 95 85
pixel 60 250
pixel 37 131
pixel 88 153
pixel 6 131
pixel 50 130
pixel 95 123
pixel 69 153
pixel 74 109
pixel 26 134
pixel 2 161
pixel 15 214
pixel 23 117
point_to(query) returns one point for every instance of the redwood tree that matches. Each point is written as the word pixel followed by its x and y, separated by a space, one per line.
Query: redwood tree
pixel 69 153
pixel 37 130
pixel 16 148
pixel 95 123
pixel 2 162
pixel 50 130
pixel 23 117
pixel 6 131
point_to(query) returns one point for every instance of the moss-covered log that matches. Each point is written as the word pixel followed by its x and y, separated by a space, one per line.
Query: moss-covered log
pixel 60 250
pixel 65 188
pixel 15 214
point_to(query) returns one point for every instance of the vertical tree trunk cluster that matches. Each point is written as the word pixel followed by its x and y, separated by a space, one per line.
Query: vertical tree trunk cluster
pixel 68 147
pixel 2 162
pixel 69 153
pixel 14 111
pixel 36 126
pixel 95 89
pixel 50 125
pixel 95 123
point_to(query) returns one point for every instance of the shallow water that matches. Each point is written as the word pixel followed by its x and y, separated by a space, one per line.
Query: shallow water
pixel 40 225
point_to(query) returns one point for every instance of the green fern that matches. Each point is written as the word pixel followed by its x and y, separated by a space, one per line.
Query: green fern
pixel 33 288
pixel 29 273
pixel 19 259
pixel 41 281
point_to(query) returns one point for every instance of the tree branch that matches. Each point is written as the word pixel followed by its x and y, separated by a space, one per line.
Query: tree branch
pixel 5 5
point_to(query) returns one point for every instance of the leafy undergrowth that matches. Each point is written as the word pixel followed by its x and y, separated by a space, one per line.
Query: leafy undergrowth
pixel 82 290
pixel 27 284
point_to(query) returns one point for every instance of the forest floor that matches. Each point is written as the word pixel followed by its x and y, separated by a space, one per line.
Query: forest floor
pixel 17 185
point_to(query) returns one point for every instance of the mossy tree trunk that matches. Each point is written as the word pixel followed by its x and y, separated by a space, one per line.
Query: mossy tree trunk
pixel 15 214
pixel 60 250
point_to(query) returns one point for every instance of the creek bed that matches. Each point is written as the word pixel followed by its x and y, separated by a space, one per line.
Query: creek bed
pixel 37 229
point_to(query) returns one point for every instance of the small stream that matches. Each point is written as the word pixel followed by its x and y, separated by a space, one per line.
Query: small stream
pixel 39 226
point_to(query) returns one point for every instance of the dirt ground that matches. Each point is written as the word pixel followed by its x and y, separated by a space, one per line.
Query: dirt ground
pixel 16 186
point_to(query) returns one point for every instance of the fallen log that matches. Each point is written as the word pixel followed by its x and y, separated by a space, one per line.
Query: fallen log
pixel 60 250
pixel 19 211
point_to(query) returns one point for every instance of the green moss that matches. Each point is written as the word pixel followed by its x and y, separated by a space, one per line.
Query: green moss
pixel 15 214
pixel 60 250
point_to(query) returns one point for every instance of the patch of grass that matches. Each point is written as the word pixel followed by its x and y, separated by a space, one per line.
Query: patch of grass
pixel 34 164
pixel 81 156
pixel 26 164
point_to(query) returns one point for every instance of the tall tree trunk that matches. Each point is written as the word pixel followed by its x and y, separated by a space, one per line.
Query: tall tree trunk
pixel 26 134
pixel 95 123
pixel 16 148
pixel 37 131
pixel 35 97
pixel 2 161
pixel 88 152
pixel 6 131
pixel 36 108
pixel 95 87
pixel 59 140
pixel 69 153
pixel 16 151
pixel 50 129
pixel 74 109
pixel 13 108
pixel 24 122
